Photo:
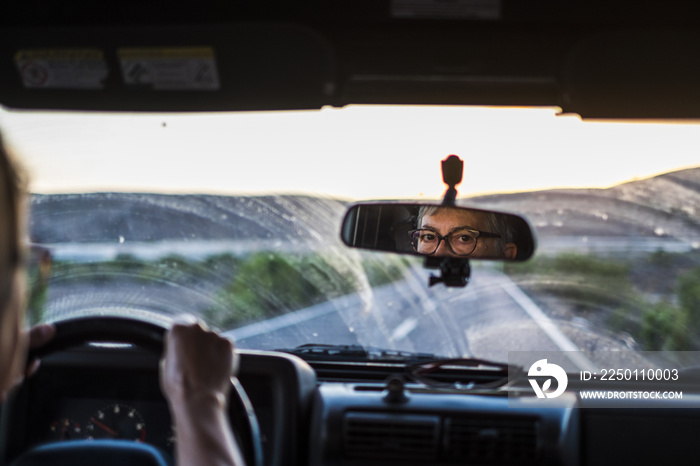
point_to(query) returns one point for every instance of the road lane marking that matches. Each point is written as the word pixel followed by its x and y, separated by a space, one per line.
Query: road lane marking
pixel 293 318
pixel 406 327
pixel 548 327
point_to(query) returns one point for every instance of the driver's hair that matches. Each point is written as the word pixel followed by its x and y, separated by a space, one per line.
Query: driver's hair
pixel 493 223
pixel 11 230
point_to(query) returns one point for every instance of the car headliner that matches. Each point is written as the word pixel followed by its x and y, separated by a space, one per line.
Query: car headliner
pixel 598 59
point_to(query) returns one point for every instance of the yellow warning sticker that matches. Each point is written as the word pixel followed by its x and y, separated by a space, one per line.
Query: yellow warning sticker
pixel 69 68
pixel 169 68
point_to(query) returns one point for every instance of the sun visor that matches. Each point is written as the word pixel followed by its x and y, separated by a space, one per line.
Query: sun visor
pixel 264 66
pixel 633 75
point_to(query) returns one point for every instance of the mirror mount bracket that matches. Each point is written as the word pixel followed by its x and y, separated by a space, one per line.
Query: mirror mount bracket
pixel 454 271
pixel 452 169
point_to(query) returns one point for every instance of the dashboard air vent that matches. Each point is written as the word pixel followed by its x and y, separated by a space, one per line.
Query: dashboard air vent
pixel 385 436
pixel 492 441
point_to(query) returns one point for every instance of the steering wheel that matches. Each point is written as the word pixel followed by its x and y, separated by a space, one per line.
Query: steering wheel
pixel 150 336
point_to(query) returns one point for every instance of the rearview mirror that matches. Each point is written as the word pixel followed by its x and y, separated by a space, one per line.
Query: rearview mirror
pixel 438 231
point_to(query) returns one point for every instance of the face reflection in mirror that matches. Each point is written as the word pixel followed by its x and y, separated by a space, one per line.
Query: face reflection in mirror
pixel 450 231
pixel 432 230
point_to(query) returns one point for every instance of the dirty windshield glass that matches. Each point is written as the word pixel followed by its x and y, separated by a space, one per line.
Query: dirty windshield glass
pixel 236 218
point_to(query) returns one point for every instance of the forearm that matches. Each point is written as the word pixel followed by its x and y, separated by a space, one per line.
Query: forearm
pixel 204 434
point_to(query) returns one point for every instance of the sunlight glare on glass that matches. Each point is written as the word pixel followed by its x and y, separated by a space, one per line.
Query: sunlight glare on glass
pixel 357 152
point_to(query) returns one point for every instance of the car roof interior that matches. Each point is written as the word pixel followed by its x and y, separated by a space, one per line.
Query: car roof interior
pixel 598 59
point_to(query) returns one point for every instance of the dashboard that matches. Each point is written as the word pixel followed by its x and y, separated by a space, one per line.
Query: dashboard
pixel 306 417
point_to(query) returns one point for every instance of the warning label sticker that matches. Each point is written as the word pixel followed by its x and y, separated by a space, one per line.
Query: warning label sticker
pixel 62 68
pixel 170 68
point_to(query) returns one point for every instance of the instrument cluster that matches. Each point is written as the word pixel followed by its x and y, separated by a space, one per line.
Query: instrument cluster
pixel 80 418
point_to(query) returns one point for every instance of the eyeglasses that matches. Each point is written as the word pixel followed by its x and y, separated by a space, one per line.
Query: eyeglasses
pixel 461 242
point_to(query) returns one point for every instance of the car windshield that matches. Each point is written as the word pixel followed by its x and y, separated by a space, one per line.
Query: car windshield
pixel 235 217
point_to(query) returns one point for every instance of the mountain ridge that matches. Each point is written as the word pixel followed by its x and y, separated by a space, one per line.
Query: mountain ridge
pixel 666 205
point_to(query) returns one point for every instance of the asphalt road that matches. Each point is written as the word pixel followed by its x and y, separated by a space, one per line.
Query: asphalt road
pixel 488 319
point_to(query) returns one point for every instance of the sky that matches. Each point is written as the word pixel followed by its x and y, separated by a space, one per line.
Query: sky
pixel 358 152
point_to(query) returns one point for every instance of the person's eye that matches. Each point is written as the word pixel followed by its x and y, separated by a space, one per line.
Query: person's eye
pixel 464 239
pixel 428 237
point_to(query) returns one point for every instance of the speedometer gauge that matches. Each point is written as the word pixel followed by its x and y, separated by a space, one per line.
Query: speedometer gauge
pixel 118 421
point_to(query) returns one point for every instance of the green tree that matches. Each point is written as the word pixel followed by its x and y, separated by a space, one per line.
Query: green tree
pixel 689 296
pixel 664 327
